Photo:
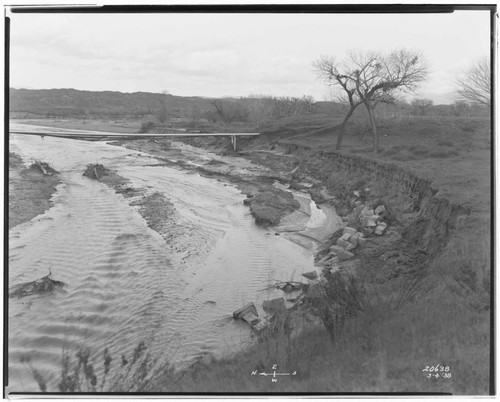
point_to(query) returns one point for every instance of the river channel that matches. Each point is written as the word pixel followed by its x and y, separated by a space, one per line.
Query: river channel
pixel 126 284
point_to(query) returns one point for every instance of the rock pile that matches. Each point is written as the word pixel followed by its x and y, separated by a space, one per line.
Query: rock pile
pixel 370 219
pixel 364 220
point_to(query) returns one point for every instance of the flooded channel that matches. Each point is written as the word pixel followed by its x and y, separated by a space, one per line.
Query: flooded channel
pixel 126 284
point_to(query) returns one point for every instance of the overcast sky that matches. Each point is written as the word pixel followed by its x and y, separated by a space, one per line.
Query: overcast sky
pixel 230 54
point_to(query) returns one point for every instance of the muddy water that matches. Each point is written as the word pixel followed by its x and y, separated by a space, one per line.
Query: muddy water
pixel 125 283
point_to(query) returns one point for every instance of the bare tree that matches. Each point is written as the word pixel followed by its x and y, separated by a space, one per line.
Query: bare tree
pixel 474 85
pixel 370 78
pixel 342 77
pixel 378 78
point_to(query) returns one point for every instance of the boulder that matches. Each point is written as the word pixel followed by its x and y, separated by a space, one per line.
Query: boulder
pixel 350 247
pixel 345 236
pixel 312 275
pixel 274 305
pixel 371 222
pixel 332 263
pixel 342 243
pixel 346 245
pixel 261 325
pixel 323 260
pixel 381 228
pixel 336 249
pixel 366 212
pixel 344 255
pixel 347 229
pixel 380 209
pixel 247 313
pixel 354 239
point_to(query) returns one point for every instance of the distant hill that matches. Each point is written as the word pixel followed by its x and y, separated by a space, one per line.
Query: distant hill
pixel 72 102
pixel 41 103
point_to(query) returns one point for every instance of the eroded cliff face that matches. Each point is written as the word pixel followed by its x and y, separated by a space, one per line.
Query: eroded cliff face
pixel 427 219
pixel 434 216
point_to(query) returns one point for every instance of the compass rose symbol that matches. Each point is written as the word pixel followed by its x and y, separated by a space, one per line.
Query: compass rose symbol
pixel 274 374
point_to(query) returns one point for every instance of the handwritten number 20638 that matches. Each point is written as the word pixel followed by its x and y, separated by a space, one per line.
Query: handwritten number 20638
pixel 436 368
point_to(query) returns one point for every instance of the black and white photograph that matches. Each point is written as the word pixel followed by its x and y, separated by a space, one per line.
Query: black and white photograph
pixel 249 200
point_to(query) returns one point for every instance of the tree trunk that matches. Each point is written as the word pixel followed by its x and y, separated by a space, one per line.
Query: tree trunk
pixel 369 108
pixel 342 128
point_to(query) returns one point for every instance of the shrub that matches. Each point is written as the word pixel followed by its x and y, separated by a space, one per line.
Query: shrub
pixel 339 298
pixel 147 127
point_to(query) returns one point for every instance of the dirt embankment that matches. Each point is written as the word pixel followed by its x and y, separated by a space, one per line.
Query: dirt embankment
pixel 419 222
pixel 30 189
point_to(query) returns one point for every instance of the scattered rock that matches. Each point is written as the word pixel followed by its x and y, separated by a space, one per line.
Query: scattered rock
pixel 332 263
pixel 323 261
pixel 290 287
pixel 344 255
pixel 247 313
pixel 380 209
pixel 354 238
pixel 261 324
pixel 367 212
pixel 346 236
pixel 336 249
pixel 347 229
pixel 312 275
pixel 345 244
pixel 381 228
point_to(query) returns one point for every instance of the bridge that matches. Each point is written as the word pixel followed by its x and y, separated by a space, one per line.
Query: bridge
pixel 105 136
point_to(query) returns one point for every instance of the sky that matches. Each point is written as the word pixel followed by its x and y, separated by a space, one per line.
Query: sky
pixel 217 55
